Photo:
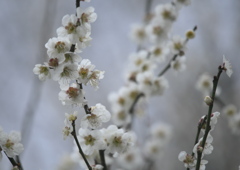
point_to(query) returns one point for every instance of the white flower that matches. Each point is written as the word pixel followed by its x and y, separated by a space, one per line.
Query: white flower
pixel 91 140
pixel 72 95
pixel 72 58
pixel 227 66
pixel 187 159
pixel 99 114
pixel 67 130
pixel 57 47
pixel 66 163
pixel 120 117
pixel 87 74
pixel 138 33
pixel 10 143
pixel 153 149
pixel 158 53
pixel 161 131
pixel 234 124
pixel 213 121
pixel 151 85
pixel 177 44
pixel 86 16
pixel 65 73
pixel 208 148
pixel 117 140
pixel 70 118
pixel 42 71
pixel 131 160
pixel 157 31
pixel 230 110
pixel 84 38
pixel 205 85
pixel 69 29
pixel 179 64
pixel 167 12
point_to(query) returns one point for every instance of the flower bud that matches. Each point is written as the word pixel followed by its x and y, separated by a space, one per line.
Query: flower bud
pixel 190 34
pixel 208 100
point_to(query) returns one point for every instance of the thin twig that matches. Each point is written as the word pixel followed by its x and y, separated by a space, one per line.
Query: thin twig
pixel 78 145
pixel 102 157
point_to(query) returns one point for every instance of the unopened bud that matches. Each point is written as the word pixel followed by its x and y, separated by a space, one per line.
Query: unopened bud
pixel 200 149
pixel 208 100
pixel 190 34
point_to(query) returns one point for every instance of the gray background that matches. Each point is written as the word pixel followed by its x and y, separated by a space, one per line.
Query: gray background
pixel 26 25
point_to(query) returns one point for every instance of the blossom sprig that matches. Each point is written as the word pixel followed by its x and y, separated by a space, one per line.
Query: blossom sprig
pixel 206 124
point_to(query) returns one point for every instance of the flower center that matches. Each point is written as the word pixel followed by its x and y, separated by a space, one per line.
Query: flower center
pixel 72 92
pixel 9 144
pixel 89 140
pixel 60 47
pixel 71 28
pixel 83 73
pixel 53 62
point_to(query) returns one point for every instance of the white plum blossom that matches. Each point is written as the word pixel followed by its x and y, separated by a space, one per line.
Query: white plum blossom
pixel 87 74
pixel 214 118
pixel 69 118
pixel 227 66
pixel 167 11
pixel 234 124
pixel 120 117
pixel 72 95
pixel 66 131
pixel 91 140
pixel 157 31
pixel 150 84
pixel 188 160
pixel 86 16
pixel 153 149
pixel 117 140
pixel 131 160
pixel 57 47
pixel 177 44
pixel 158 53
pixel 161 131
pixel 208 148
pixel 66 163
pixel 204 84
pixel 229 110
pixel 10 143
pixel 138 33
pixel 99 114
pixel 72 58
pixel 84 38
pixel 69 29
pixel 65 73
pixel 42 71
pixel 179 64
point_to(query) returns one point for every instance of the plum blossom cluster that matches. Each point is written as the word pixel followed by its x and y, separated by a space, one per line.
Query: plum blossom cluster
pixel 10 143
pixel 72 72
pixel 155 45
pixel 190 160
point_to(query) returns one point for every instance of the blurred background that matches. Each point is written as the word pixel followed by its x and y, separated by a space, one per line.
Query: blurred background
pixel 27 25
